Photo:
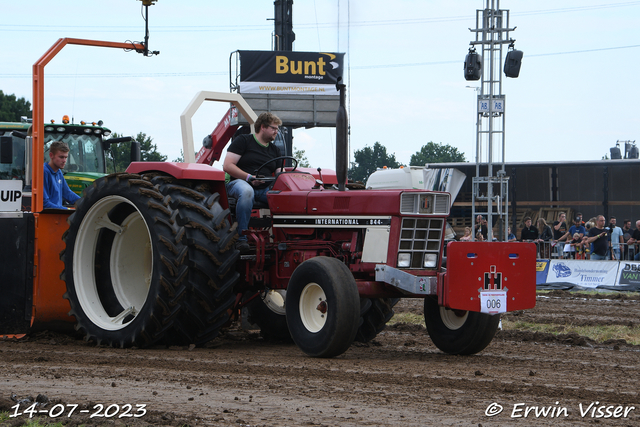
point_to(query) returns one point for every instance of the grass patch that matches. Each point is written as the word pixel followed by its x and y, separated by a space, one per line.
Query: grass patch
pixel 26 421
pixel 409 318
pixel 597 333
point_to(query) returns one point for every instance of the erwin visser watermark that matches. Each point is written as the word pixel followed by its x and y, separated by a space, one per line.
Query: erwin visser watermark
pixel 583 410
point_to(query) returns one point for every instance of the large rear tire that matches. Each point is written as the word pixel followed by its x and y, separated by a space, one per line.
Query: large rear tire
pixel 375 316
pixel 124 263
pixel 323 307
pixel 212 258
pixel 267 311
pixel 457 331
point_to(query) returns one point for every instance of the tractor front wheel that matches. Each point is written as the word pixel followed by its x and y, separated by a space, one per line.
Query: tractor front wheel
pixel 323 307
pixel 458 331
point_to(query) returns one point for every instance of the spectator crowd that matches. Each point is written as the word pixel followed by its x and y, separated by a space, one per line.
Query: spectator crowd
pixel 595 239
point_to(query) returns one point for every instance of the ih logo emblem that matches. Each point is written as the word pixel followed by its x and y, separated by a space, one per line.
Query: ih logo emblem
pixel 492 279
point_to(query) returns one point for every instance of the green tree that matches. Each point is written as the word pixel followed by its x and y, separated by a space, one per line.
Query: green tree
pixel 303 162
pixel 436 153
pixel 369 159
pixel 12 108
pixel 180 158
pixel 121 153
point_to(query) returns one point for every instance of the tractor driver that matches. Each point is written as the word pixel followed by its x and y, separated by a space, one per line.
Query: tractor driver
pixel 244 156
pixel 55 188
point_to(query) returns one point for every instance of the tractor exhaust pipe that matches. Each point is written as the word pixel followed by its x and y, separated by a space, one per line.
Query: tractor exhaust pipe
pixel 342 127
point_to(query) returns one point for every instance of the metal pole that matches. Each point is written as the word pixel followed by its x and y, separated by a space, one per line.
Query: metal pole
pixel 492 34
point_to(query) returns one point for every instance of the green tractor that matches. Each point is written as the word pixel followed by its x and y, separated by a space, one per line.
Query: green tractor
pixel 88 149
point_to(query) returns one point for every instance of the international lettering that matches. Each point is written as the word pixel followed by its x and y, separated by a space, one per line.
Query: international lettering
pixel 348 221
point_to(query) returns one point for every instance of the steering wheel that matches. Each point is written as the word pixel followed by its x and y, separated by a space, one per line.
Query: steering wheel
pixel 272 178
pixel 75 167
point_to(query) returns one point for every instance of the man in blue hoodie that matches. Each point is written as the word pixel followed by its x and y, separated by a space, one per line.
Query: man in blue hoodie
pixel 55 187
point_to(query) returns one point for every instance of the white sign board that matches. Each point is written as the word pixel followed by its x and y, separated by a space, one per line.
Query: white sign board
pixel 10 196
pixel 484 105
pixel 493 302
pixel 588 274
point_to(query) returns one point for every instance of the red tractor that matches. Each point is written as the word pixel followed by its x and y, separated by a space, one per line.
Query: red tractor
pixel 149 257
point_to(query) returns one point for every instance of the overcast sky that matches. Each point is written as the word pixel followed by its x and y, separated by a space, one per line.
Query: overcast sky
pixel 574 98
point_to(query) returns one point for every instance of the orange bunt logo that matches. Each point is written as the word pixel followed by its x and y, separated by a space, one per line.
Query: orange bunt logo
pixel 314 68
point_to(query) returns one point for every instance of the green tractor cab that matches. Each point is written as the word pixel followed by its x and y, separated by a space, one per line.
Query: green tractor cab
pixel 87 150
pixel 86 161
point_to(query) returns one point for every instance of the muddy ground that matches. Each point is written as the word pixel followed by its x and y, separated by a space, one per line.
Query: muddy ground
pixel 399 379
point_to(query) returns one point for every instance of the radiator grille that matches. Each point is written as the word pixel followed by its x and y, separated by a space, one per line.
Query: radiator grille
pixel 425 203
pixel 420 236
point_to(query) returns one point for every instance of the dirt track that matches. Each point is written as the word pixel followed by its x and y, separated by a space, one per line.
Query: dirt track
pixel 400 379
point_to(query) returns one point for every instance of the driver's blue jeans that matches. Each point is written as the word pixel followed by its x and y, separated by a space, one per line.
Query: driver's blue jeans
pixel 245 194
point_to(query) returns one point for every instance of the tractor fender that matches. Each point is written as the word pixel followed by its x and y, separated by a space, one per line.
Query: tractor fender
pixel 191 171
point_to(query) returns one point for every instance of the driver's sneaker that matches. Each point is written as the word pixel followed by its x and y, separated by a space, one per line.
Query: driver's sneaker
pixel 243 246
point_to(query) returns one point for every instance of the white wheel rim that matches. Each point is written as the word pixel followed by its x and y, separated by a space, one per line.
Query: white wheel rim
pixel 313 307
pixel 452 318
pixel 275 300
pixel 131 263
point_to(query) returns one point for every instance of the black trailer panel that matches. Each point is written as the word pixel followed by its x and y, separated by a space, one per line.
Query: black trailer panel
pixel 16 271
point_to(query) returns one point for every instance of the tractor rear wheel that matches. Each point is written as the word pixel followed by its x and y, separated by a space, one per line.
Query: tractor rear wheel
pixel 323 307
pixel 124 262
pixel 375 315
pixel 458 331
pixel 212 258
pixel 268 312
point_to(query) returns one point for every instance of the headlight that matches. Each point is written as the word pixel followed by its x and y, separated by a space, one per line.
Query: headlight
pixel 430 260
pixel 97 131
pixel 404 260
pixel 87 130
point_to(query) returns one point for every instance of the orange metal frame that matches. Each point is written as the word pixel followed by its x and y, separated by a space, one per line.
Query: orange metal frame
pixel 49 306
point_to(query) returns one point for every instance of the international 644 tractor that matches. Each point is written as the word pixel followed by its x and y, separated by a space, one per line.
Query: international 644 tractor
pixel 149 257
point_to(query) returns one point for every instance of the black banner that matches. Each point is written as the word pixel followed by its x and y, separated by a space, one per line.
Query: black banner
pixel 290 67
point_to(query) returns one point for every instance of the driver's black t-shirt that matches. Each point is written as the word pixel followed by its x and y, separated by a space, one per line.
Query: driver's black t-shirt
pixel 253 155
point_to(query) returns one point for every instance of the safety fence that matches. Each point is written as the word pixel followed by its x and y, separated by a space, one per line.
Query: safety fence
pixel 580 251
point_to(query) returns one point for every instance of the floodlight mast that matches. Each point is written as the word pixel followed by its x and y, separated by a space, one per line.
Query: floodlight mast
pixel 491 33
pixel 146 51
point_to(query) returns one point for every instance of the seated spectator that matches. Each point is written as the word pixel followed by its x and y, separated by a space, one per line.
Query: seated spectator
pixel 574 247
pixel 577 227
pixel 529 233
pixel 481 228
pixel 635 239
pixel 511 237
pixel 467 235
pixel 560 233
pixel 616 238
pixel 544 238
pixel 626 235
pixel 598 236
